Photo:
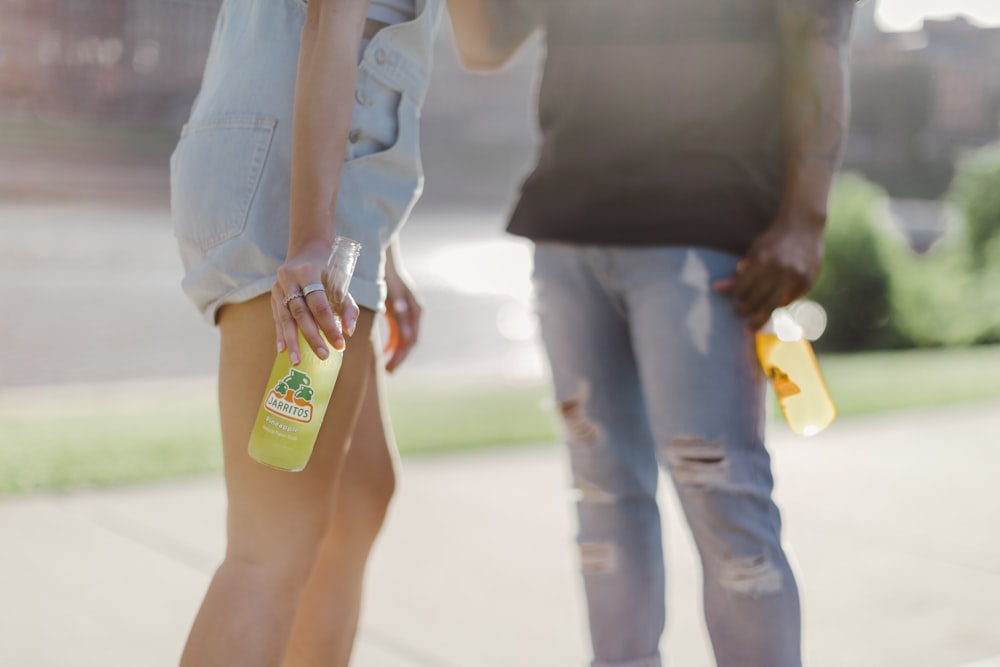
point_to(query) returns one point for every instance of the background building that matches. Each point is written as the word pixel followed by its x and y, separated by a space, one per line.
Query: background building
pixel 919 97
pixel 137 61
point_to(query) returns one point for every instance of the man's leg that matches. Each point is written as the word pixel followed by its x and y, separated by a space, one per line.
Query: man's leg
pixel 705 397
pixel 611 452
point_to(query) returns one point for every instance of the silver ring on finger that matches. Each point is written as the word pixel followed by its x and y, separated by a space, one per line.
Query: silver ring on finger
pixel 297 294
pixel 313 287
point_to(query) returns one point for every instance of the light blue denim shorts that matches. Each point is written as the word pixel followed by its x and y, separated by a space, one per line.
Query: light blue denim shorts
pixel 231 170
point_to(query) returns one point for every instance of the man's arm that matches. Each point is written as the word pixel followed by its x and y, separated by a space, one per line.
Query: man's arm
pixel 783 263
pixel 489 32
pixel 815 37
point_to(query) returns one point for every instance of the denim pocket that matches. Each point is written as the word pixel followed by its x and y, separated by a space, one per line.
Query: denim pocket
pixel 214 173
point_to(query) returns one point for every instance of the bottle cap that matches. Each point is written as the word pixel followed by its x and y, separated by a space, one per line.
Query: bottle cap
pixel 784 325
pixel 810 316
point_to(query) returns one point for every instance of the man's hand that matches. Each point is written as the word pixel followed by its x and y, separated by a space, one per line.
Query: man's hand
pixel 780 267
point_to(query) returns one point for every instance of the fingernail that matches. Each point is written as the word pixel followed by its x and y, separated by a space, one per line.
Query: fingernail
pixel 281 346
pixel 323 353
pixel 351 326
pixel 295 358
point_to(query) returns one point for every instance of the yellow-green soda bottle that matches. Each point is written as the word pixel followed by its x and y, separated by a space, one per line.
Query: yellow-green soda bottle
pixel 788 361
pixel 296 397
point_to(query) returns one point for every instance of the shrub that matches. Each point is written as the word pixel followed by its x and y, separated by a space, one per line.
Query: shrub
pixel 942 300
pixel 854 285
pixel 878 294
pixel 976 192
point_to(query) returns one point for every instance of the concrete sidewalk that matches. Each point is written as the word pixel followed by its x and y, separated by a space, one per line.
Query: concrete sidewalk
pixel 895 521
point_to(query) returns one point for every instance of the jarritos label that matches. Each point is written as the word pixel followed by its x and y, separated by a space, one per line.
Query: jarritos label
pixel 292 397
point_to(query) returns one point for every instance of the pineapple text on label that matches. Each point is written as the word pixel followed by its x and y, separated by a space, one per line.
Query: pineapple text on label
pixel 284 427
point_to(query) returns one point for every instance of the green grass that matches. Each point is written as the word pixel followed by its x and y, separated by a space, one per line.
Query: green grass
pixel 882 381
pixel 131 439
pixel 114 445
pixel 97 444
pixel 443 419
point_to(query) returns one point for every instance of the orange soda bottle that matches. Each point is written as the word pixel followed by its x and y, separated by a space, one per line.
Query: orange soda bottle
pixel 296 397
pixel 788 361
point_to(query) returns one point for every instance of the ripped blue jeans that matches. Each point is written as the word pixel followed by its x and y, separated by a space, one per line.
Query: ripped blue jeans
pixel 653 368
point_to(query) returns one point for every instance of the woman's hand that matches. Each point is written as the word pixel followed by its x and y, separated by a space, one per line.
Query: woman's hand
pixel 300 302
pixel 402 312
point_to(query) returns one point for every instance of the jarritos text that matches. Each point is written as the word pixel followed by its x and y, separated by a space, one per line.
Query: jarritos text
pixel 292 397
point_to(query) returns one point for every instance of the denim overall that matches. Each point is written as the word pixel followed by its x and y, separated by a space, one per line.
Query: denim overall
pixel 231 170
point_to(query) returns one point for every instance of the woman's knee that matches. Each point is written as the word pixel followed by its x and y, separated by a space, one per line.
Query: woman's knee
pixel 280 563
pixel 363 500
pixel 369 491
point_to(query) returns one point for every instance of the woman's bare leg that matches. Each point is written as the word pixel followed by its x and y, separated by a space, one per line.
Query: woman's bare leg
pixel 275 519
pixel 328 612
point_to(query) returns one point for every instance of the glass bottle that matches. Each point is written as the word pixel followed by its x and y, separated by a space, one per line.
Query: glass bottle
pixel 789 362
pixel 296 397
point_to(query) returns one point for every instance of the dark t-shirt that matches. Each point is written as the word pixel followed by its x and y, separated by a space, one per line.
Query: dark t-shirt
pixel 661 124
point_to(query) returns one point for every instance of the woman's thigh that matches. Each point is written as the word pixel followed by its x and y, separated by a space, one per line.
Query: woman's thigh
pixel 270 510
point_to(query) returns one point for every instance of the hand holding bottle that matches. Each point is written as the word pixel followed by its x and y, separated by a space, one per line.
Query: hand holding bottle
pixel 299 387
pixel 310 298
pixel 780 267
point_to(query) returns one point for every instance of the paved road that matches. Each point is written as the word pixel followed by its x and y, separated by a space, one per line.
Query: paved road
pixel 96 290
pixel 893 519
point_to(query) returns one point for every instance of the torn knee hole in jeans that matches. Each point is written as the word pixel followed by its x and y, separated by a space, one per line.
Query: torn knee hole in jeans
pixel 698 461
pixel 589 492
pixel 752 576
pixel 580 428
pixel 598 557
